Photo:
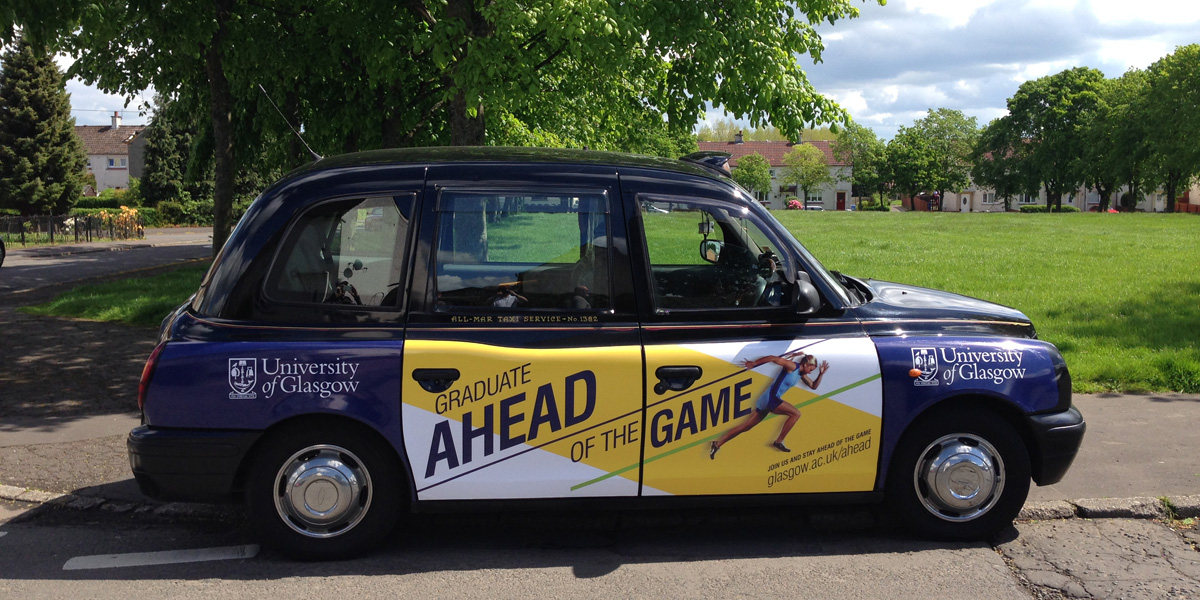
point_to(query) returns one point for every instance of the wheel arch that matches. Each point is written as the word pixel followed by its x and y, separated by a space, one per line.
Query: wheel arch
pixel 971 402
pixel 317 421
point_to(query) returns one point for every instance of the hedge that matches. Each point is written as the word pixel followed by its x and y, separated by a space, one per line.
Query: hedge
pixel 98 202
pixel 1040 208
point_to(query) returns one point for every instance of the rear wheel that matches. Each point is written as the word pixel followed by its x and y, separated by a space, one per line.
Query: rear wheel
pixel 959 475
pixel 320 493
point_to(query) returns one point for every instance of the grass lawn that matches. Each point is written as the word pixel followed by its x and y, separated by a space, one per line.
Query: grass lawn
pixel 1118 294
pixel 137 301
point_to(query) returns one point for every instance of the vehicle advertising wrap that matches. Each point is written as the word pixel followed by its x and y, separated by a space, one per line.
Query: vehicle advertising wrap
pixel 255 385
pixel 520 423
pixel 782 417
pixel 919 370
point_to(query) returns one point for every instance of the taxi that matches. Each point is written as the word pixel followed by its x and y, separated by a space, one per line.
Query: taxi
pixel 404 330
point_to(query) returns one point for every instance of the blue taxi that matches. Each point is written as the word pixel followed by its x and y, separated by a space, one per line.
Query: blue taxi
pixel 404 330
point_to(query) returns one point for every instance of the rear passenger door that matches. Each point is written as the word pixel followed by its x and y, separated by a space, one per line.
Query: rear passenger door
pixel 522 365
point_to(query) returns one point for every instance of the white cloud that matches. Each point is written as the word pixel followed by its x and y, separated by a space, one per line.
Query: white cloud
pixel 897 61
pixel 1154 11
pixel 956 13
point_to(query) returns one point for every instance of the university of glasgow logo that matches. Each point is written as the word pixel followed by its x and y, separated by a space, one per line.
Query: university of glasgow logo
pixel 242 379
pixel 925 361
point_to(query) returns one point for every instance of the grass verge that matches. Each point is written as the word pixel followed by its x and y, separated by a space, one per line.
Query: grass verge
pixel 136 301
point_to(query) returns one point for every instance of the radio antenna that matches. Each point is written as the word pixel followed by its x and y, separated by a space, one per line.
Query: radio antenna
pixel 315 156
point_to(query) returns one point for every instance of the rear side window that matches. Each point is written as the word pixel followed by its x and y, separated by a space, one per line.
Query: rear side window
pixel 344 253
pixel 515 251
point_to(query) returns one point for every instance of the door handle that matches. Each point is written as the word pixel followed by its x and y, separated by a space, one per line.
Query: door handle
pixel 676 378
pixel 435 381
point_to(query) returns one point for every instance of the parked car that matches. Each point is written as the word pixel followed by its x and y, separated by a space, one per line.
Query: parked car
pixel 565 326
pixel 3 252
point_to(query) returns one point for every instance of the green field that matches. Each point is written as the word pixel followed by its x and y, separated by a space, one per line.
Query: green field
pixel 1119 294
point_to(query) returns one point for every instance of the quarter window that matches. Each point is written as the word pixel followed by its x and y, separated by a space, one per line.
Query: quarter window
pixel 345 253
pixel 521 250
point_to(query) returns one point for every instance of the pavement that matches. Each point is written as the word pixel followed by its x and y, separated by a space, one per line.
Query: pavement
pixel 68 399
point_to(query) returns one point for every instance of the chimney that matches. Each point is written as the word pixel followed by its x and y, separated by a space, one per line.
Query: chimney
pixel 737 139
pixel 116 120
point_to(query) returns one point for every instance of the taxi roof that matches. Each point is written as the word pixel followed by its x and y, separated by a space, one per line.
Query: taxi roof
pixel 500 154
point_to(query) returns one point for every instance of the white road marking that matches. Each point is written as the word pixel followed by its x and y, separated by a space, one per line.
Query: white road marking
pixel 167 557
pixel 3 533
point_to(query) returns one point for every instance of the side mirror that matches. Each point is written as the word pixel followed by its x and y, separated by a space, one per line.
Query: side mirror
pixel 808 301
pixel 710 250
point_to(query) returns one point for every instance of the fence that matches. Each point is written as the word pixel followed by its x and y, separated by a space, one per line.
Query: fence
pixel 27 231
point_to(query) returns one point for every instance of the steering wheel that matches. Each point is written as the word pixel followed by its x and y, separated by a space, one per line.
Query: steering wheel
pixel 344 293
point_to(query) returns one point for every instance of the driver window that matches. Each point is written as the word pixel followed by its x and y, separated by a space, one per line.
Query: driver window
pixel 347 252
pixel 707 255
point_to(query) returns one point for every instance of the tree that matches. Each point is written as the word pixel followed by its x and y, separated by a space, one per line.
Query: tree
pixel 997 160
pixel 168 143
pixel 1125 98
pixel 753 172
pixel 1172 117
pixel 951 136
pixel 1052 115
pixel 911 162
pixel 444 72
pixel 42 161
pixel 806 169
pixel 1115 141
pixel 867 156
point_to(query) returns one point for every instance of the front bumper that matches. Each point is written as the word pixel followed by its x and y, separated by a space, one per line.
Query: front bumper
pixel 1056 437
pixel 188 464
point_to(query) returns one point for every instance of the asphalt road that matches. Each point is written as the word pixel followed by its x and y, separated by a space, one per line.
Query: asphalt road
pixel 28 268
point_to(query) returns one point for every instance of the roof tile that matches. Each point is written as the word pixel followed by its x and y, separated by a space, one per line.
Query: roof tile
pixel 103 139
pixel 772 151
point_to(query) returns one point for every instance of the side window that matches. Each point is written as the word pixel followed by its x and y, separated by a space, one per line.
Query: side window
pixel 343 253
pixel 707 255
pixel 514 250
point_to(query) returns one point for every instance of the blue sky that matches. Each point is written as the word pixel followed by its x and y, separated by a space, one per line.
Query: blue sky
pixel 897 61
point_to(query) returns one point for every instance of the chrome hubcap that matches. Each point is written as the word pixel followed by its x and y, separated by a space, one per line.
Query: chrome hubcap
pixel 322 491
pixel 959 477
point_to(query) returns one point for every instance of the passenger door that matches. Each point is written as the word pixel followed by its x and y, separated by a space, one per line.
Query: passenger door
pixel 519 363
pixel 723 292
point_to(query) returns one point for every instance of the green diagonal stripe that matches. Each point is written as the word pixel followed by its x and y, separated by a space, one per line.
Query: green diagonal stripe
pixel 716 435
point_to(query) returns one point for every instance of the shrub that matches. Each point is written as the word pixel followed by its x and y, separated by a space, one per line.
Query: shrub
pixel 170 212
pixel 98 202
pixel 185 212
pixel 1039 208
pixel 794 204
pixel 150 217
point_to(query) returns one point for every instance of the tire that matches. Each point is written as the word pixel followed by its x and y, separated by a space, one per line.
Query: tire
pixel 344 497
pixel 959 475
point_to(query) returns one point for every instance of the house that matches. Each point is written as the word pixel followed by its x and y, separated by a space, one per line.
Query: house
pixel 832 197
pixel 107 148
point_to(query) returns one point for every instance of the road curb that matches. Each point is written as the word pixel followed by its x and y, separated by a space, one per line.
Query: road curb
pixel 1145 507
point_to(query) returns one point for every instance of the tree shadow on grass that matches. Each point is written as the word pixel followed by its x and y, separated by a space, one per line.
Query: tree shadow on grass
pixel 1164 319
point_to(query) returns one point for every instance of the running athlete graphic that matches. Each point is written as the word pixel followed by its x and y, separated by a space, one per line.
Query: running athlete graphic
pixel 792 371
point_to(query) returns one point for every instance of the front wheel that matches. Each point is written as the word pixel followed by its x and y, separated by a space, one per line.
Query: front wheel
pixel 959 475
pixel 323 492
